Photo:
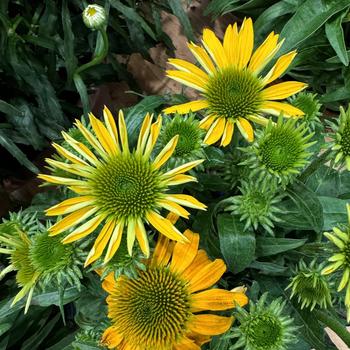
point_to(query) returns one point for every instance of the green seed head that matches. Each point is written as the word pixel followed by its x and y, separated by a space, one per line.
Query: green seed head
pixel 151 309
pixel 126 186
pixel 256 205
pixel 264 327
pixel 279 152
pixel 310 286
pixel 233 93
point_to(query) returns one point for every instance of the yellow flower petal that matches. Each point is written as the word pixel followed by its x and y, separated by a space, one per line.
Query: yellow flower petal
pixel 69 205
pixel 200 262
pixel 142 238
pixel 110 338
pixel 207 122
pixel 214 47
pixel 259 119
pixel 144 133
pixel 280 67
pixel 114 242
pixel 184 253
pixel 245 42
pixel 210 324
pixel 230 43
pixel 228 133
pixel 162 252
pixel 123 132
pixel 100 242
pixel 166 152
pixel 187 107
pixel 207 276
pixel 111 126
pixel 165 227
pixel 77 169
pixel 215 131
pixel 332 267
pixel 264 53
pixel 186 344
pixel 84 230
pixel 103 135
pixel 71 220
pixel 68 155
pixel 188 67
pixel 282 90
pixel 186 200
pixel 246 129
pixel 202 57
pixel 338 242
pixel 183 168
pixel 180 179
pixel 131 235
pixel 217 299
pixel 188 79
pixel 153 137
pixel 275 108
pixel 345 279
pixel 61 180
pixel 175 208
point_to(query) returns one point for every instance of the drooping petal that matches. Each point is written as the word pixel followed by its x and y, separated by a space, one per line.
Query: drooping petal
pixel 174 207
pixel 215 131
pixel 186 200
pixel 142 238
pixel 70 205
pixel 245 129
pixel 283 90
pixel 180 179
pixel 184 253
pixel 207 122
pixel 210 324
pixel 187 107
pixel 188 79
pixel 228 133
pixel 162 252
pixel 275 108
pixel 114 242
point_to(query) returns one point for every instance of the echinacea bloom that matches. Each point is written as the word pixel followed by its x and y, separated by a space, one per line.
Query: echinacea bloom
pixel 340 237
pixel 232 89
pixel 94 16
pixel 117 187
pixel 158 310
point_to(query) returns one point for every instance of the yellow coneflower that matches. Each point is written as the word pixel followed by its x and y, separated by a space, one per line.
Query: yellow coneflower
pixel 159 309
pixel 232 90
pixel 118 187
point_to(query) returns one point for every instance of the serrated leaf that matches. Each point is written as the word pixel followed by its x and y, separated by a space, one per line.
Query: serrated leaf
pixel 237 246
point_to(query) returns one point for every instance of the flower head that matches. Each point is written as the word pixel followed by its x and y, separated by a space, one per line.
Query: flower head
pixel 264 327
pixel 310 105
pixel 310 286
pixel 341 144
pixel 94 16
pixel 340 237
pixel 37 258
pixel 158 309
pixel 256 205
pixel 280 151
pixel 232 89
pixel 189 146
pixel 117 187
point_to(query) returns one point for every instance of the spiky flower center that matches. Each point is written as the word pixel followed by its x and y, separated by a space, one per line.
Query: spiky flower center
pixel 233 93
pixel 48 254
pixel 126 186
pixel 345 139
pixel 264 331
pixel 189 136
pixel 280 150
pixel 308 103
pixel 152 310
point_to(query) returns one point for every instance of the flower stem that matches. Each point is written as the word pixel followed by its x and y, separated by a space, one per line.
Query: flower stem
pixel 333 324
pixel 316 163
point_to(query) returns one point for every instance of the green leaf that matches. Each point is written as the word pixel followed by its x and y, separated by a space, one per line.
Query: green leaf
pixel 236 245
pixel 12 148
pixel 81 88
pixel 9 109
pixel 335 35
pixel 308 204
pixel 334 212
pixel 309 17
pixel 53 298
pixel 68 44
pixel 131 14
pixel 267 246
pixel 178 11
pixel 267 267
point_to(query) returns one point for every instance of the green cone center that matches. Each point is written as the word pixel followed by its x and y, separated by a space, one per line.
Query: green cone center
pixel 233 93
pixel 280 151
pixel 152 309
pixel 126 187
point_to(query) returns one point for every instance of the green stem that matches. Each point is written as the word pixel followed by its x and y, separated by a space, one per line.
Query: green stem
pixel 98 58
pixel 314 165
pixel 333 324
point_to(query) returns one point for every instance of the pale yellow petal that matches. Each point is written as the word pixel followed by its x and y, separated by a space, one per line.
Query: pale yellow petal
pixel 188 67
pixel 187 79
pixel 228 133
pixel 153 137
pixel 202 57
pixel 186 200
pixel 166 153
pixel 123 132
pixel 144 133
pixel 68 155
pixel 206 122
pixel 131 235
pixel 215 131
pixel 111 126
pixel 183 168
pixel 142 238
pixel 59 180
pixel 70 205
pixel 180 179
pixel 114 242
pixel 275 108
pixel 174 207
pixel 245 129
